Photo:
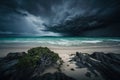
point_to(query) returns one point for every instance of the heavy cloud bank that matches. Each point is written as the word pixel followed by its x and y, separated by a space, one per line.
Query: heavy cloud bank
pixel 60 17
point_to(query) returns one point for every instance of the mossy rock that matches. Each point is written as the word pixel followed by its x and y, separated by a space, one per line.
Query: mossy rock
pixel 35 56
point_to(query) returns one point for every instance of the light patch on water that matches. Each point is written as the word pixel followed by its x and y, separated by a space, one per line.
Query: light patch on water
pixel 95 41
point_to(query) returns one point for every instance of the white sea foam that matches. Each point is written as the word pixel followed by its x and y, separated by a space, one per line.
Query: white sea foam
pixel 94 41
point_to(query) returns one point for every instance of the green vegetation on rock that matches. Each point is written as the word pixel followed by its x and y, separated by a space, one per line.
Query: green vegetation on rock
pixel 38 56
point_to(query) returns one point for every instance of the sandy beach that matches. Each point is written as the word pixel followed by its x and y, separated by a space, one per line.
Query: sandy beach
pixel 59 49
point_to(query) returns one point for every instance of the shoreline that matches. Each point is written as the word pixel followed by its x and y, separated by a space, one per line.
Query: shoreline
pixel 60 49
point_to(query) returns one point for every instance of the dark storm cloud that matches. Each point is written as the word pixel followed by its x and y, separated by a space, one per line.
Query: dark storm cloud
pixel 89 18
pixel 67 17
pixel 20 17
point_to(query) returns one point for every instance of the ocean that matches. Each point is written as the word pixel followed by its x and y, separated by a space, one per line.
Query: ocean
pixel 61 41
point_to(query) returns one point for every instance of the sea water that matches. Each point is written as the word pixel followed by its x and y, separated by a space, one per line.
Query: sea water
pixel 61 41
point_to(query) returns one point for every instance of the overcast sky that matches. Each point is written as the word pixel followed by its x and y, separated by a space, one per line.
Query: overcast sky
pixel 60 17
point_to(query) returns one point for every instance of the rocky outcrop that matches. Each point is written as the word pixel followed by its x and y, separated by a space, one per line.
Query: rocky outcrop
pixel 54 76
pixel 10 60
pixel 8 65
pixel 107 64
pixel 29 66
pixel 15 55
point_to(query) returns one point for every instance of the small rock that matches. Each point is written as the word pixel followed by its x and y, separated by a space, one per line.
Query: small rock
pixel 72 69
pixel 88 74
pixel 72 54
